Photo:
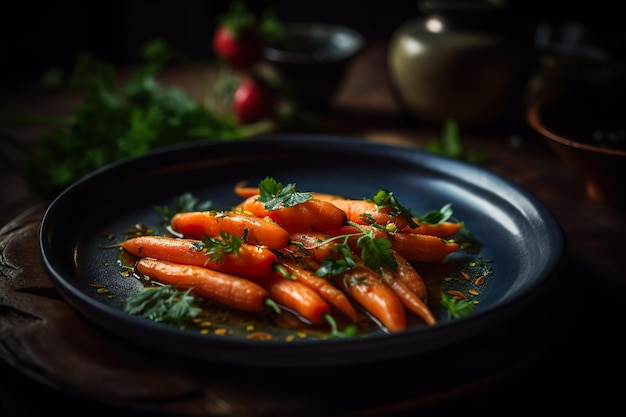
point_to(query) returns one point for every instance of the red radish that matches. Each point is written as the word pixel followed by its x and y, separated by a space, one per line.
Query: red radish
pixel 253 101
pixel 240 49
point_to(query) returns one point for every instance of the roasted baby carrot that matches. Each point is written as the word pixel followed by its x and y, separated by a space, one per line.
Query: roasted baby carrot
pixel 296 296
pixel 333 295
pixel 250 260
pixel 413 247
pixel 365 211
pixel 369 291
pixel 444 229
pixel 408 298
pixel 244 191
pixel 310 214
pixel 416 247
pixel 253 229
pixel 409 276
pixel 315 244
pixel 227 289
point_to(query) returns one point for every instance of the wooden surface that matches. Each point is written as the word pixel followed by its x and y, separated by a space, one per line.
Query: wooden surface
pixel 567 352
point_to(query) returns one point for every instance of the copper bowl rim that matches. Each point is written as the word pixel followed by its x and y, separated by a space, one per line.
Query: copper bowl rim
pixel 533 117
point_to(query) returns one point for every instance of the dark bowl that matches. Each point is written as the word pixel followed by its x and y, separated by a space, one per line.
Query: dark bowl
pixel 311 60
pixel 586 128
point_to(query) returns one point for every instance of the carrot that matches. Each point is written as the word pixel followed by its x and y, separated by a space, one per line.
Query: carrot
pixel 296 296
pixel 444 229
pixel 252 261
pixel 409 276
pixel 333 295
pixel 315 244
pixel 414 247
pixel 365 211
pixel 408 298
pixel 222 287
pixel 252 229
pixel 244 191
pixel 370 292
pixel 311 214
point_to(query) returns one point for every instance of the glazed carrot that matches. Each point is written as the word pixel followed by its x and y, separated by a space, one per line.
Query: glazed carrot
pixel 416 247
pixel 244 191
pixel 333 295
pixel 365 211
pixel 413 247
pixel 409 276
pixel 315 244
pixel 296 296
pixel 408 298
pixel 445 229
pixel 222 287
pixel 370 292
pixel 252 261
pixel 252 229
pixel 311 214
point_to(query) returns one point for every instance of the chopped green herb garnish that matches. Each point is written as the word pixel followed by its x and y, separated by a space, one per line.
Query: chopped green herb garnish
pixel 274 195
pixel 216 248
pixel 183 203
pixel 437 216
pixel 457 308
pixel 385 198
pixel 163 304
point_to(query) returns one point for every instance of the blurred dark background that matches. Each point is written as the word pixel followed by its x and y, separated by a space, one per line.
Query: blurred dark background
pixel 35 36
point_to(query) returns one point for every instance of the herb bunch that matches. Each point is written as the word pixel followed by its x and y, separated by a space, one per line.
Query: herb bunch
pixel 115 123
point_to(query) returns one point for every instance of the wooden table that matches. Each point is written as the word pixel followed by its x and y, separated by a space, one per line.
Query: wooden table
pixel 566 354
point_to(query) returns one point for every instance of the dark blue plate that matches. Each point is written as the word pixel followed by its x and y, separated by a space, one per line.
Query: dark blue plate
pixel 517 234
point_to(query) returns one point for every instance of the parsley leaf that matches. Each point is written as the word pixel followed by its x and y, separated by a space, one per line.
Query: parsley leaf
pixel 376 253
pixel 275 195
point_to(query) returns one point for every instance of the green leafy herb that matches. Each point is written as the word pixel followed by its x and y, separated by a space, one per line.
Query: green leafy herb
pixel 274 195
pixel 385 198
pixel 183 203
pixel 330 267
pixel 163 304
pixel 115 123
pixel 437 216
pixel 450 145
pixel 216 248
pixel 457 308
pixel 375 253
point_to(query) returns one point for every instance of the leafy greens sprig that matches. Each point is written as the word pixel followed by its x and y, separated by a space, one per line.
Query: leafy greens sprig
pixel 216 248
pixel 114 123
pixel 183 203
pixel 163 304
pixel 274 194
pixel 457 308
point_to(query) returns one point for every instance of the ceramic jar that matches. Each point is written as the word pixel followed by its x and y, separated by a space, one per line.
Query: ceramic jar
pixel 462 59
